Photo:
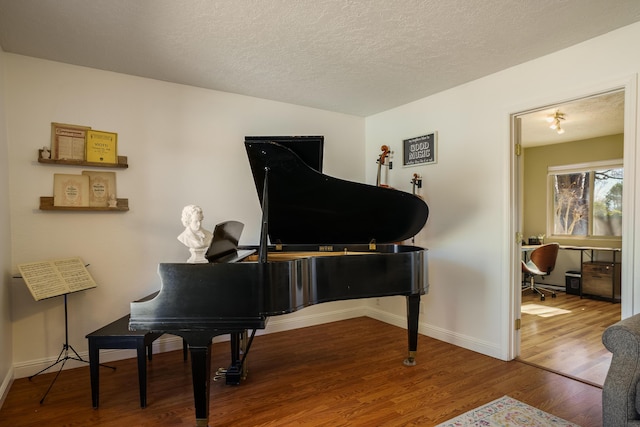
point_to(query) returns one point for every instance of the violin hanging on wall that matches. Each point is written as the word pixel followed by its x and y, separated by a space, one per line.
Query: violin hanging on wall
pixel 416 182
pixel 382 158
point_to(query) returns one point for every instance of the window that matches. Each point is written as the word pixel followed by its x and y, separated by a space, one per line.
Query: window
pixel 586 200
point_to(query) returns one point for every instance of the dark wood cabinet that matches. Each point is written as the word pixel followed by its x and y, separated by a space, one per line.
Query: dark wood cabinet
pixel 601 279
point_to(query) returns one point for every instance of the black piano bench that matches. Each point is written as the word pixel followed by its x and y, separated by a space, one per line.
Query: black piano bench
pixel 116 335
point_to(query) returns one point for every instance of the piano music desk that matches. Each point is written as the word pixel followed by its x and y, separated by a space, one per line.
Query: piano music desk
pixel 116 335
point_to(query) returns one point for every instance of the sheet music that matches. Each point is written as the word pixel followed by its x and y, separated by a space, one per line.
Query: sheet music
pixel 46 279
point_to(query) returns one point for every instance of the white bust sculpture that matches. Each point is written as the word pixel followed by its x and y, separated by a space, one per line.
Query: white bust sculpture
pixel 196 238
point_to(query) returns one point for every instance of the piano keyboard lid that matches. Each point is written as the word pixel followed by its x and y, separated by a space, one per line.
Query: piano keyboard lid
pixel 304 206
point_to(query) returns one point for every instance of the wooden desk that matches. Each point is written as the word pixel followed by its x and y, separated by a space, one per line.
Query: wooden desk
pixel 599 279
pixel 597 273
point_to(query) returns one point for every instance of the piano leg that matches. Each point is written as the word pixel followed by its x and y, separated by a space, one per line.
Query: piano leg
pixel 413 314
pixel 233 375
pixel 201 377
pixel 244 349
pixel 239 348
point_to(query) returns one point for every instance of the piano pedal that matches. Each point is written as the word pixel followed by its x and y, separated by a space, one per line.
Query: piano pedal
pixel 232 376
pixel 220 374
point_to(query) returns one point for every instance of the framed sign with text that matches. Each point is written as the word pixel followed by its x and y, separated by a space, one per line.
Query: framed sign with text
pixel 419 150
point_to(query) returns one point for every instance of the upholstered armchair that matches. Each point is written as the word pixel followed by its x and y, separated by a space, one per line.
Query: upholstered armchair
pixel 621 391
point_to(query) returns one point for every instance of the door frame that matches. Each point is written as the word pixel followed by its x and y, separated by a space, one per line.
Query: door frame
pixel 630 299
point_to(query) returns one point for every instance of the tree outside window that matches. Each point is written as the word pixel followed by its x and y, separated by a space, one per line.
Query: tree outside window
pixel 607 203
pixel 587 202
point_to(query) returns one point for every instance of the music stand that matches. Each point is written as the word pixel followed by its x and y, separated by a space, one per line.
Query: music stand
pixel 49 279
pixel 65 351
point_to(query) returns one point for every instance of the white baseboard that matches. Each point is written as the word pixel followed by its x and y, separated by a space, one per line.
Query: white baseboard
pixel 5 386
pixel 460 340
pixel 171 342
pixel 440 334
pixel 275 324
pixel 280 324
pixel 27 369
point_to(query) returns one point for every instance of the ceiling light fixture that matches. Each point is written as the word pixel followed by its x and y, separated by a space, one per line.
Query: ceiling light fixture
pixel 555 121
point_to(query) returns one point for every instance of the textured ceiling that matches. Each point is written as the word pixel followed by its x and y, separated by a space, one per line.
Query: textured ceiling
pixel 357 57
pixel 586 118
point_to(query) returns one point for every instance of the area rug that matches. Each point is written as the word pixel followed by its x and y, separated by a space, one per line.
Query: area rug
pixel 506 412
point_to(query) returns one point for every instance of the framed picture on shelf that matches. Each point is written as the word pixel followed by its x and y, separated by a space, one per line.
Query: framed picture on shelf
pixel 70 190
pixel 102 147
pixel 68 141
pixel 102 188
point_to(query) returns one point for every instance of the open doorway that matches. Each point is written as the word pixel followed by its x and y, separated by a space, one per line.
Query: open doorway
pixel 578 138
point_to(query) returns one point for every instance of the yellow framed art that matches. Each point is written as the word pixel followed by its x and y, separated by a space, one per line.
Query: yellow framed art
pixel 102 147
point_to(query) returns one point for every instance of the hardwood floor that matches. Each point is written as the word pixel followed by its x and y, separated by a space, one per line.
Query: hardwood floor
pixel 564 334
pixel 347 373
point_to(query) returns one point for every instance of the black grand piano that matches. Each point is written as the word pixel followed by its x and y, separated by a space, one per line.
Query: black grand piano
pixel 330 240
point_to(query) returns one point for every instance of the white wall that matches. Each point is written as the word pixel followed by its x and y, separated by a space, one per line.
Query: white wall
pixel 184 145
pixel 467 190
pixel 6 370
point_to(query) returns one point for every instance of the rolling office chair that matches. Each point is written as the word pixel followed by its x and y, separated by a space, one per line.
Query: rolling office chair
pixel 541 262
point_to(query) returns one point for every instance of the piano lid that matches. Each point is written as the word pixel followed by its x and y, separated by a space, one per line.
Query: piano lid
pixel 306 206
pixel 310 148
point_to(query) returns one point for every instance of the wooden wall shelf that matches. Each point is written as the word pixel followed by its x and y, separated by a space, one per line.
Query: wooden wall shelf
pixel 46 204
pixel 122 162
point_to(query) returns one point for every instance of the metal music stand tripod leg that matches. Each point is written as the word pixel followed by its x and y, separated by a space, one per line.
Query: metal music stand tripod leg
pixel 64 354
